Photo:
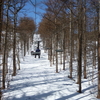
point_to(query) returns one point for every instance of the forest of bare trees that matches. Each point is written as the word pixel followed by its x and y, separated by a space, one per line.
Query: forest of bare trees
pixel 69 29
pixel 16 35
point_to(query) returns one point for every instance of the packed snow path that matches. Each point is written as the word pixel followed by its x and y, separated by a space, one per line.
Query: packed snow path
pixel 38 81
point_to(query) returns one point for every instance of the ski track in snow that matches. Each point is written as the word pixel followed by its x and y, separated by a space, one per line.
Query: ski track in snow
pixel 38 81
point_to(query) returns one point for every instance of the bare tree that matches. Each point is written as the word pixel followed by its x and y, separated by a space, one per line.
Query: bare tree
pixel 71 40
pixel 26 28
pixel 98 96
pixel 1 16
pixel 15 8
pixel 5 47
pixel 80 31
pixel 84 36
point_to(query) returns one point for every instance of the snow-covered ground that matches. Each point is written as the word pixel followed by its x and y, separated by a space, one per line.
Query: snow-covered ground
pixel 38 81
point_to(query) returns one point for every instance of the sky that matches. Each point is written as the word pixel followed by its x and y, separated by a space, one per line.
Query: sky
pixel 29 10
pixel 37 80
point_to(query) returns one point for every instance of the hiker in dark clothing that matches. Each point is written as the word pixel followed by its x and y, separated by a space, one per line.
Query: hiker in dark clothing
pixel 37 52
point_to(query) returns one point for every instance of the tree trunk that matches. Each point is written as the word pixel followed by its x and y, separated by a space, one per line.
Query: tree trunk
pixel 1 18
pixel 54 49
pixel 5 54
pixel 28 45
pixel 71 44
pixel 80 30
pixel 18 59
pixel 64 55
pixel 61 53
pixel 24 47
pixel 14 47
pixel 80 61
pixel 94 55
pixel 84 28
pixel 98 96
pixel 56 53
pixel 51 52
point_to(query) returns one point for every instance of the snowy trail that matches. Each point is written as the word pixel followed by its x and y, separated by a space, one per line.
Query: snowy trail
pixel 38 81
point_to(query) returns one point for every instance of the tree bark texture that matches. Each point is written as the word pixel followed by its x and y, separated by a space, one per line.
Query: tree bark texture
pixel 14 47
pixel 64 55
pixel 98 96
pixel 80 31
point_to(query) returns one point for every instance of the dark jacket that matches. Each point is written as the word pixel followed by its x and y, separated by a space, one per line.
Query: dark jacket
pixel 38 50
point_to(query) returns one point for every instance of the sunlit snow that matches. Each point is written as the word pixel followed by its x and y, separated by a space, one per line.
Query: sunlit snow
pixel 38 81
